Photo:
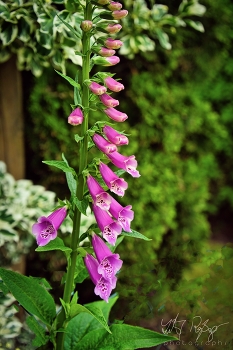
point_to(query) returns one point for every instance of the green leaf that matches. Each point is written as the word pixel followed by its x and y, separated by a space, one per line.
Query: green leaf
pixel 35 327
pixel 85 323
pixel 55 244
pixel 42 281
pixel 33 297
pixel 91 309
pixel 70 28
pixel 80 270
pixel 135 234
pixel 8 34
pixel 163 39
pixel 60 164
pixel 123 337
pixel 71 182
pixel 77 97
pixel 196 25
pixel 81 205
pixel 3 288
pixel 78 138
pixel 70 80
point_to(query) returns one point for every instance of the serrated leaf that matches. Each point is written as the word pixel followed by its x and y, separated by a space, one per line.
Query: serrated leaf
pixel 81 205
pixel 86 323
pixel 135 234
pixel 35 327
pixel 91 309
pixel 70 80
pixel 33 297
pixel 42 281
pixel 55 244
pixel 123 337
pixel 60 164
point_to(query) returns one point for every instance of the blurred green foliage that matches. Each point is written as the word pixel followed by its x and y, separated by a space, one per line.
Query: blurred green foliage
pixel 180 112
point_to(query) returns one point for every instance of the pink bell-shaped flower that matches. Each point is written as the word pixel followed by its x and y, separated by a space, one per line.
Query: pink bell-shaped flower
pixel 114 183
pixel 46 228
pixel 110 228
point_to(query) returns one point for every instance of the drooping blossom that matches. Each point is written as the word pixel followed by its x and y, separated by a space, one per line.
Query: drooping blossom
pixel 110 229
pixel 124 215
pixel 119 14
pixel 75 117
pixel 113 28
pixel 128 164
pixel 116 115
pixel 109 263
pixel 114 183
pixel 108 101
pixel 105 146
pixel 113 6
pixel 101 198
pixel 113 84
pixel 113 43
pixel 114 136
pixel 96 88
pixel 46 228
pixel 103 287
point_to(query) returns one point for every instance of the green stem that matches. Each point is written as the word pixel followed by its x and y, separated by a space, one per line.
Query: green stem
pixel 69 285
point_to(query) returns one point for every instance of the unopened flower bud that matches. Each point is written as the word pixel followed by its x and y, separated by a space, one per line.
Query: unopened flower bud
pixel 113 43
pixel 86 25
pixel 113 28
pixel 75 117
pixel 106 61
pixel 116 115
pixel 114 6
pixel 108 101
pixel 96 88
pixel 119 14
pixel 103 51
pixel 113 84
